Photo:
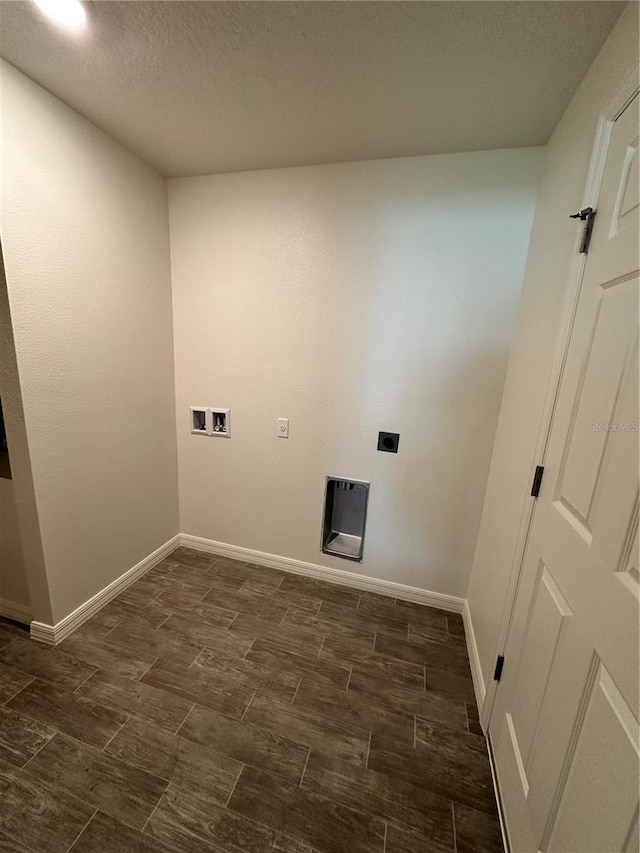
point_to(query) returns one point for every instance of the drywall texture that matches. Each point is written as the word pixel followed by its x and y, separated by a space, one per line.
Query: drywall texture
pixel 197 88
pixel 85 240
pixel 548 281
pixel 350 299
pixel 21 517
pixel 14 588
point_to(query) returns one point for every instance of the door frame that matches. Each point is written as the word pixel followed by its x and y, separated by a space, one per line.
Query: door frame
pixel 595 174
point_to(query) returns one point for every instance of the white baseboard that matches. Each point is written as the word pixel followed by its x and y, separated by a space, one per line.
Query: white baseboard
pixel 53 634
pixel 474 657
pixel 13 610
pixel 337 576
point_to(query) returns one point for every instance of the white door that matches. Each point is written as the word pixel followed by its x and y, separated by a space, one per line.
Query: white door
pixel 564 728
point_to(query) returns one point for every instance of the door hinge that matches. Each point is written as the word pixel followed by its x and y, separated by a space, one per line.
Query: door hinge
pixel 537 481
pixel 497 673
pixel 587 215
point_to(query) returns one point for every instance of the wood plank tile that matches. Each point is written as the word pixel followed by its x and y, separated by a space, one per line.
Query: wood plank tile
pixel 104 834
pixel 426 634
pixel 294 638
pixel 149 614
pixel 118 789
pixel 182 593
pixel 38 815
pixel 11 682
pixel 453 659
pixel 207 614
pixel 473 719
pixel 9 845
pixel 385 623
pixel 101 653
pixel 389 670
pixel 191 767
pixel 21 737
pixel 442 762
pixel 402 839
pixel 84 720
pixel 347 708
pixel 271 656
pixel 133 697
pixel 382 607
pixel 327 627
pixel 9 631
pixel 309 729
pixel 476 832
pixel 46 662
pixel 143 591
pixel 449 684
pixel 253 605
pixel 348 649
pixel 231 670
pixel 197 632
pixel 330 826
pixel 98 625
pixel 408 699
pixel 204 687
pixel 338 594
pixel 181 818
pixel 270 752
pixel 422 614
pixel 191 557
pixel 394 800
pixel 140 640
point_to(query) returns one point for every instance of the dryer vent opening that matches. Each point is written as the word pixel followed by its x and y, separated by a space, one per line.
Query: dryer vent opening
pixel 345 516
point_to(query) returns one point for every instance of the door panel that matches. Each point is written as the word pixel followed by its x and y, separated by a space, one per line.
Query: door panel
pixel 564 726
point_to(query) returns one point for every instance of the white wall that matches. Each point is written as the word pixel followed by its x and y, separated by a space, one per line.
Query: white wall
pixel 85 239
pixel 350 299
pixel 14 589
pixel 545 293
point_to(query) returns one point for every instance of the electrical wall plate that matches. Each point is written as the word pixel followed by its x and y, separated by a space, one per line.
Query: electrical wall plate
pixel 200 420
pixel 220 422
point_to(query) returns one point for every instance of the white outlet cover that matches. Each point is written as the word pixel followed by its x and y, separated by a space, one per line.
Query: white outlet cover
pixel 282 427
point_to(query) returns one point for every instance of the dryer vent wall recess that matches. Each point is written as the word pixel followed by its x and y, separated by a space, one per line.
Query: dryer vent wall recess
pixel 345 516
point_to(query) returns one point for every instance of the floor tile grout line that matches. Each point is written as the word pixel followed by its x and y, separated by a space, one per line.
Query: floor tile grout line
pixel 248 706
pixel 31 678
pixel 153 811
pixel 295 693
pixel 193 705
pixel 177 732
pixel 73 843
pixel 46 743
pixel 147 671
pixel 304 769
pixel 116 733
pixel 453 822
pixel 386 830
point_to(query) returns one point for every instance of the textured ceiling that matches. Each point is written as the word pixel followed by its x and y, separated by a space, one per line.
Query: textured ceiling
pixel 201 87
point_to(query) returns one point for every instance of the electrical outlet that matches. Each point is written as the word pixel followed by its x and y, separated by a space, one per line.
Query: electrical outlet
pixel 282 427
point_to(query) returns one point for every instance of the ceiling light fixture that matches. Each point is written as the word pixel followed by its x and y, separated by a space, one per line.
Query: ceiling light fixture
pixel 69 13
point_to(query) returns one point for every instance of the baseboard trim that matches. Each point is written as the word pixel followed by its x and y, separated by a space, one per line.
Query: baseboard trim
pixel 12 610
pixel 337 576
pixel 52 634
pixel 474 657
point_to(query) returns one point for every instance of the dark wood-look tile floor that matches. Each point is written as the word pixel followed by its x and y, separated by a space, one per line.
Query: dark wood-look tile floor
pixel 221 707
